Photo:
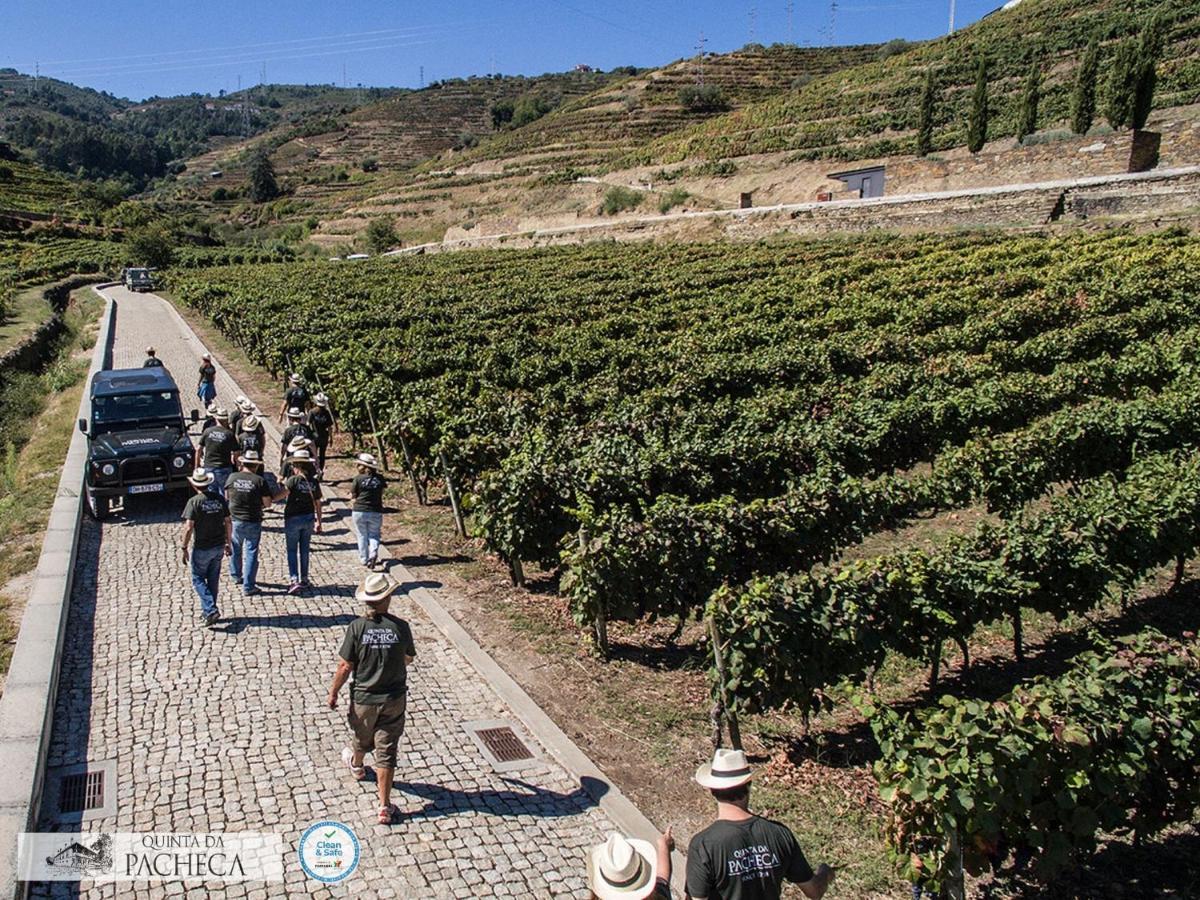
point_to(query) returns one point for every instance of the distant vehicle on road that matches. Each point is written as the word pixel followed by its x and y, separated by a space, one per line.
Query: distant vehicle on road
pixel 138 279
pixel 138 440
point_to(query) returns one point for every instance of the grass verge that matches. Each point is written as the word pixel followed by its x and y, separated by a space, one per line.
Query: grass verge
pixel 35 432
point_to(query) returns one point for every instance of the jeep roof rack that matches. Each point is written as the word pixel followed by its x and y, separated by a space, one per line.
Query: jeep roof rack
pixel 111 382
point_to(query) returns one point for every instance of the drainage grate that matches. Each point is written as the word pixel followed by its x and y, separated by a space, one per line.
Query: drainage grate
pixel 504 744
pixel 81 791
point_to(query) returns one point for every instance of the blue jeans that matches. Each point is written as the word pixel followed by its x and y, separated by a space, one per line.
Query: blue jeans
pixel 206 576
pixel 369 526
pixel 220 476
pixel 298 531
pixel 243 564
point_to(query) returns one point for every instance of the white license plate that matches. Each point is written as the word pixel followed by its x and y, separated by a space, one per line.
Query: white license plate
pixel 146 488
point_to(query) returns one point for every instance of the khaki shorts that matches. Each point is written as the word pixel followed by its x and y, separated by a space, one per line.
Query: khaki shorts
pixel 376 728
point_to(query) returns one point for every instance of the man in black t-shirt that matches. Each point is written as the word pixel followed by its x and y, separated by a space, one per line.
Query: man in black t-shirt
pixel 251 435
pixel 247 492
pixel 207 521
pixel 377 650
pixel 742 856
pixel 217 448
pixel 322 425
pixel 152 361
pixel 296 396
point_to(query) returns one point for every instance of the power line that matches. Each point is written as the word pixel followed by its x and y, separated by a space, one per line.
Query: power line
pixel 323 40
pixel 124 70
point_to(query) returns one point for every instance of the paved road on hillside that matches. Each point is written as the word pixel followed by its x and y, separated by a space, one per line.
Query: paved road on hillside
pixel 226 729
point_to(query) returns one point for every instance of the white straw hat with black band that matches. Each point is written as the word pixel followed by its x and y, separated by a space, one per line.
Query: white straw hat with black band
pixel 320 399
pixel 728 769
pixel 376 588
pixel 201 478
pixel 368 460
pixel 623 869
pixel 303 457
pixel 251 458
pixel 295 413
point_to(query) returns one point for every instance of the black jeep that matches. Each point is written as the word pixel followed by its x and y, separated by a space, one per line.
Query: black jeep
pixel 138 440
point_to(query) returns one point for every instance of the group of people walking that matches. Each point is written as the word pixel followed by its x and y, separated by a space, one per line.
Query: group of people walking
pixel 232 491
pixel 740 856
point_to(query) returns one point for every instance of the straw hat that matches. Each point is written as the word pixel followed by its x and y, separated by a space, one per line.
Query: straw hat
pixel 221 414
pixel 320 399
pixel 250 422
pixel 728 769
pixel 295 413
pixel 251 458
pixel 296 378
pixel 623 869
pixel 201 478
pixel 150 351
pixel 366 459
pixel 300 456
pixel 299 442
pixel 207 356
pixel 376 588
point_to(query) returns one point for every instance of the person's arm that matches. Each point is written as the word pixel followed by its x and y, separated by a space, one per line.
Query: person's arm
pixel 228 534
pixel 816 886
pixel 187 538
pixel 663 847
pixel 316 495
pixel 339 679
pixel 199 446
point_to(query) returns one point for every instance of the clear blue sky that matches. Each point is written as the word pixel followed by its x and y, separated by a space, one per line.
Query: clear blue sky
pixel 140 48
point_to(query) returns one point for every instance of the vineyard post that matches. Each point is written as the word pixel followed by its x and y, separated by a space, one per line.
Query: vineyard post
pixel 411 468
pixel 459 525
pixel 517 571
pixel 954 887
pixel 1018 633
pixel 600 622
pixel 1180 562
pixel 729 716
pixel 378 437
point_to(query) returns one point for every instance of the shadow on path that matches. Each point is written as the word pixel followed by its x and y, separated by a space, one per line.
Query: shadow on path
pixel 531 800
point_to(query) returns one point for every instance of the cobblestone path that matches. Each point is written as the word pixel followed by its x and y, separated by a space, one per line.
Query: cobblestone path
pixel 227 729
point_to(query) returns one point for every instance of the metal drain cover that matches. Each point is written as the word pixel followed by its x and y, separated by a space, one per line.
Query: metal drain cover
pixel 501 744
pixel 80 792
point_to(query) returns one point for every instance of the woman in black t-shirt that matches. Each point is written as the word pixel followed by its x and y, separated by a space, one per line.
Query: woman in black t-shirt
pixel 366 494
pixel 206 386
pixel 301 517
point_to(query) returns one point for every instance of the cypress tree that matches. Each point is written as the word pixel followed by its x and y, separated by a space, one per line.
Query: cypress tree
pixel 263 186
pixel 925 114
pixel 977 121
pixel 1030 98
pixel 1149 50
pixel 1083 100
pixel 1123 77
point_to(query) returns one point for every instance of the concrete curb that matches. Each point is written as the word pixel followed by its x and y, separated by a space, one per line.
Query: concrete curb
pixel 624 814
pixel 31 690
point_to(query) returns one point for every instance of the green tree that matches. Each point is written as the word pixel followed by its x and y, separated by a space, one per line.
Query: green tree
pixel 1083 98
pixel 977 119
pixel 1149 50
pixel 1123 76
pixel 703 98
pixel 529 109
pixel 263 186
pixel 925 114
pixel 381 235
pixel 1030 98
pixel 149 245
